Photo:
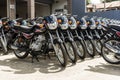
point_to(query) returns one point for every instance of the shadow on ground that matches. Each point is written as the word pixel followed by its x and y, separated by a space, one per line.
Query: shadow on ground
pixel 25 66
pixel 18 66
pixel 105 69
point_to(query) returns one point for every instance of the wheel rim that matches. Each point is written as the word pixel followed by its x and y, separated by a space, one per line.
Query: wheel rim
pixel 89 47
pixel 59 53
pixel 80 48
pixel 113 46
pixel 98 46
pixel 70 50
pixel 109 51
pixel 21 51
pixel 109 56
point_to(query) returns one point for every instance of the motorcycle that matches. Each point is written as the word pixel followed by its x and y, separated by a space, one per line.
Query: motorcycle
pixel 63 27
pixel 3 40
pixel 55 40
pixel 111 46
pixel 86 38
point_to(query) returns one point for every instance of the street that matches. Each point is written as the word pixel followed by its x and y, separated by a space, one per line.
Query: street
pixel 12 68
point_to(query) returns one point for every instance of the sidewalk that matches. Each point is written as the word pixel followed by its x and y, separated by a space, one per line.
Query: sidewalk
pixel 12 68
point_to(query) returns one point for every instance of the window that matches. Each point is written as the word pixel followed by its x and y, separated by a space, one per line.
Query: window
pixel 102 5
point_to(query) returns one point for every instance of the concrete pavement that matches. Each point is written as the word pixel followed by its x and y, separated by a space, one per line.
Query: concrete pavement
pixel 12 68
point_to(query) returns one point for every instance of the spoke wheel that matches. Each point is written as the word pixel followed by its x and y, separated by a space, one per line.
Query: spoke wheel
pixel 21 52
pixel 71 51
pixel 98 46
pixel 81 49
pixel 61 54
pixel 90 48
pixel 109 50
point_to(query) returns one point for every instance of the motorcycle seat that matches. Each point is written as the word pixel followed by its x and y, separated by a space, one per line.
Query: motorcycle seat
pixel 25 29
pixel 113 26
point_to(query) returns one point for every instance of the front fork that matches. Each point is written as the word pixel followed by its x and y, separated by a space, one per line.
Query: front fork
pixel 57 36
pixel 3 36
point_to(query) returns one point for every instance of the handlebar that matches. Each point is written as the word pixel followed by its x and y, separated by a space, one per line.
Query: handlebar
pixel 4 18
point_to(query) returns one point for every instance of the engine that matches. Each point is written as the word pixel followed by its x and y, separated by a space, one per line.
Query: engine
pixel 37 43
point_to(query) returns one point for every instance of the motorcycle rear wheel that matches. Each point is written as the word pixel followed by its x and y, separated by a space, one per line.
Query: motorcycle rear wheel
pixel 20 52
pixel 109 51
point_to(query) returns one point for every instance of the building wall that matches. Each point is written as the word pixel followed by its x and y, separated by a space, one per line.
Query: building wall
pixel 59 5
pixel 3 8
pixel 21 10
pixel 3 11
pixel 42 10
pixel 45 1
pixel 114 14
pixel 78 8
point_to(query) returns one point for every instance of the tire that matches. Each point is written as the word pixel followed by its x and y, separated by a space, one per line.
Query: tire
pixel 21 52
pixel 3 45
pixel 90 48
pixel 61 53
pixel 109 52
pixel 80 49
pixel 18 54
pixel 98 46
pixel 71 51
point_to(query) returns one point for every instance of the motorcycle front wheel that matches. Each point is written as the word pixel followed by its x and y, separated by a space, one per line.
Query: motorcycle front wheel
pixel 80 49
pixel 3 45
pixel 98 46
pixel 61 53
pixel 90 47
pixel 71 51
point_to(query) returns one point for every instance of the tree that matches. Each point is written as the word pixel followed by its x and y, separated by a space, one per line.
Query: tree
pixel 87 2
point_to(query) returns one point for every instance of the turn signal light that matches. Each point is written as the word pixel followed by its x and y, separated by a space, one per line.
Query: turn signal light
pixel 78 22
pixel 4 23
pixel 59 21
pixel 41 25
pixel 102 23
pixel 70 22
pixel 96 23
pixel 6 27
pixel 88 23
